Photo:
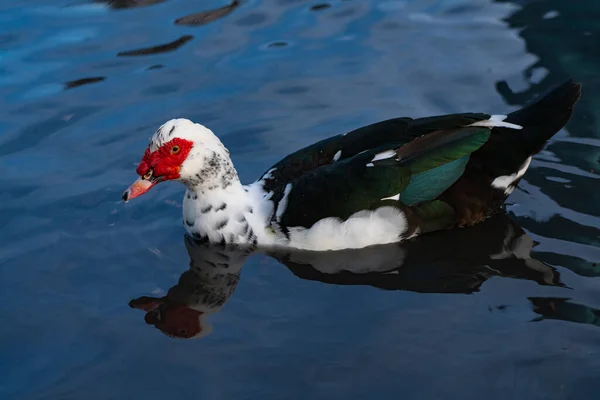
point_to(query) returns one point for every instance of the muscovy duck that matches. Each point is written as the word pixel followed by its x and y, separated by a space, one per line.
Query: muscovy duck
pixel 385 182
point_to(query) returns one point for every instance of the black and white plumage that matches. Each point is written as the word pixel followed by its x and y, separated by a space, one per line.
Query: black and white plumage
pixel 382 183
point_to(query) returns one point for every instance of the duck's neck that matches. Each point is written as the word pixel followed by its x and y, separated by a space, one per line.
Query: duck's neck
pixel 220 214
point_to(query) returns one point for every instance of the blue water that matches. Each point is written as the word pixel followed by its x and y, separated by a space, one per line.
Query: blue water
pixel 84 84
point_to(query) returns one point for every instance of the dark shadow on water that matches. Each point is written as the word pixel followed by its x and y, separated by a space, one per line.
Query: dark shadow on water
pixel 277 44
pixel 122 4
pixel 206 17
pixel 319 7
pixel 84 81
pixel 162 48
pixel 458 261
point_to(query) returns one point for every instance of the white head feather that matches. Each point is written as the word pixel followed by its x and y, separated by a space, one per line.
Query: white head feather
pixel 208 165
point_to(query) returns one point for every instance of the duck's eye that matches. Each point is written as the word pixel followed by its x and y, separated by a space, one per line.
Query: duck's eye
pixel 174 149
pixel 148 174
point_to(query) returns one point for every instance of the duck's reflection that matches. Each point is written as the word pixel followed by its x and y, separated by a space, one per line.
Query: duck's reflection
pixel 559 308
pixel 457 261
pixel 202 290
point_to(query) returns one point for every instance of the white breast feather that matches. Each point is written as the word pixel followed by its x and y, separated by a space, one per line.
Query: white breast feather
pixel 362 229
pixel 283 203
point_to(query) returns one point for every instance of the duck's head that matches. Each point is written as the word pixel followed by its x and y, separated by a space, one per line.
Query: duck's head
pixel 184 151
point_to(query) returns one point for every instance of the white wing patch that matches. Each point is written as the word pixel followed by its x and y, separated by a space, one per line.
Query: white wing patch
pixel 268 174
pixel 362 229
pixel 395 197
pixel 283 203
pixel 337 156
pixel 497 121
pixel 506 182
pixel 384 155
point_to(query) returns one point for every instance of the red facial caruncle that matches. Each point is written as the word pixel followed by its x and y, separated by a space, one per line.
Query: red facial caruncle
pixel 160 165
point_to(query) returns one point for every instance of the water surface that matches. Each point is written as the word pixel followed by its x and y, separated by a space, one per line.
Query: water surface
pixel 84 84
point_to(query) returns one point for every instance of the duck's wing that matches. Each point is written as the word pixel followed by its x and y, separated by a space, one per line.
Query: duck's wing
pixel 396 132
pixel 408 174
pixel 388 134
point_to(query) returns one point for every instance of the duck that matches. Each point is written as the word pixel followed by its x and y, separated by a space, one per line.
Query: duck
pixel 386 182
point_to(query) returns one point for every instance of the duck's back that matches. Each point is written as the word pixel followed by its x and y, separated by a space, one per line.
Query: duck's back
pixel 421 174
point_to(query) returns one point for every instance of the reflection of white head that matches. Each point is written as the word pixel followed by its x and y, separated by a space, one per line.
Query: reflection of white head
pixel 211 280
pixel 206 327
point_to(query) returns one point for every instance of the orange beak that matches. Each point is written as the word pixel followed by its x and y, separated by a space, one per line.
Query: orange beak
pixel 138 188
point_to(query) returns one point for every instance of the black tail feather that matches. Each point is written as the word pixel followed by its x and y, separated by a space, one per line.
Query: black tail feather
pixel 544 118
pixel 508 149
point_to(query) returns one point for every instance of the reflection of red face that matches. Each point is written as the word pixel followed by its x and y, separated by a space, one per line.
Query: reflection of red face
pixel 160 165
pixel 173 319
